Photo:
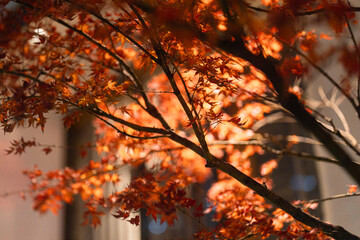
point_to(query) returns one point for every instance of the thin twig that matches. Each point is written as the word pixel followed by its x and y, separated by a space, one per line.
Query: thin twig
pixel 124 132
pixel 357 51
pixel 278 152
pixel 335 108
pixel 340 196
pixel 6 194
pixel 306 13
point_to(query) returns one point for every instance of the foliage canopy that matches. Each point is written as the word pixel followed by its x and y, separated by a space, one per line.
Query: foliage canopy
pixel 177 88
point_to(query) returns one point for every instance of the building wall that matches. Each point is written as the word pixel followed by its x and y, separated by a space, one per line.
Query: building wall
pixel 333 179
pixel 18 220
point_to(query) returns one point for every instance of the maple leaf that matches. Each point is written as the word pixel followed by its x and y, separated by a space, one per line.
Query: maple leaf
pixel 101 32
pixel 199 210
pixel 19 146
pixel 292 67
pixel 126 110
pixel 169 218
pixel 121 214
pixel 8 128
pixel 135 220
pixel 268 167
pixel 47 150
pixel 188 202
pixel 83 153
pixel 237 121
pixel 352 188
pixel 95 221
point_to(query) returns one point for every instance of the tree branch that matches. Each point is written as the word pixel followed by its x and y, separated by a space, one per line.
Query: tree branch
pixel 334 231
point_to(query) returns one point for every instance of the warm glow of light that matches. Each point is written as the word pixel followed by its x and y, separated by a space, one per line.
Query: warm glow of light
pixel 269 2
pixel 222 27
pixel 269 45
pixel 207 2
pixel 39 33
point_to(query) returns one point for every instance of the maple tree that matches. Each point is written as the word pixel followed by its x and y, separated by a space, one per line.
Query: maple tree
pixel 175 87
